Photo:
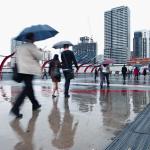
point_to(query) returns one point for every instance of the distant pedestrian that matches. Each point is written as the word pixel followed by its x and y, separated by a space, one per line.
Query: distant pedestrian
pixel 144 73
pixel 101 75
pixel 54 72
pixel 105 75
pixel 95 74
pixel 44 75
pixel 27 57
pixel 124 73
pixel 128 73
pixel 136 73
pixel 68 59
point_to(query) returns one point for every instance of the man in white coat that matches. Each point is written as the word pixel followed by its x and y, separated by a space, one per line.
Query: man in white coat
pixel 27 58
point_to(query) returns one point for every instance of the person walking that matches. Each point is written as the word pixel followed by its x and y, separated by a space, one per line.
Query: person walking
pixel 27 58
pixel 124 73
pixel 144 73
pixel 54 72
pixel 136 73
pixel 68 59
pixel 105 75
pixel 44 74
pixel 101 76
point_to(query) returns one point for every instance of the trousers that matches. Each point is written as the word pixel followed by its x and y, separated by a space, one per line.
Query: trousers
pixel 27 91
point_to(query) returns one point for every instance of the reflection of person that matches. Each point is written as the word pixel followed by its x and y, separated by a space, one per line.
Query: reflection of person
pixel 54 118
pixel 105 72
pixel 67 131
pixel 27 56
pixel 25 136
pixel 44 74
pixel 68 59
pixel 3 93
pixel 54 72
pixel 114 111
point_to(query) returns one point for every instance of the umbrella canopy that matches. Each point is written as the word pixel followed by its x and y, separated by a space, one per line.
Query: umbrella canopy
pixel 108 61
pixel 41 32
pixel 61 44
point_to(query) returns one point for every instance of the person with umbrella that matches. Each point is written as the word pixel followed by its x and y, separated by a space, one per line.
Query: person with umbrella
pixel 27 57
pixel 68 59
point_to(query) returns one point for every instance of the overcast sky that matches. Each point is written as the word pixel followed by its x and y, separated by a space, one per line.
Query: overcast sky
pixel 72 18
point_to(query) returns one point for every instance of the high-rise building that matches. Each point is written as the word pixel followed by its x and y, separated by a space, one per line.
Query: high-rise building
pixel 117 34
pixel 141 44
pixel 86 50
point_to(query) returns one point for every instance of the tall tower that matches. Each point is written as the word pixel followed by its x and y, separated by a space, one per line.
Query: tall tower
pixel 141 44
pixel 117 34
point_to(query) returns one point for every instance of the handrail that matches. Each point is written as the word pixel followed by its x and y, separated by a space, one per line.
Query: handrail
pixel 3 62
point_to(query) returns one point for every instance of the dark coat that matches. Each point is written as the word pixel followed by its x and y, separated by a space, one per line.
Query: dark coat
pixel 124 70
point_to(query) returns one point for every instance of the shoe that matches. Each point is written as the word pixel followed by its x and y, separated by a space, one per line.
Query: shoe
pixel 67 96
pixel 16 113
pixel 36 107
pixel 53 96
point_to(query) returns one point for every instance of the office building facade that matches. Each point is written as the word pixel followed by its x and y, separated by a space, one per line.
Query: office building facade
pixel 85 51
pixel 141 44
pixel 117 34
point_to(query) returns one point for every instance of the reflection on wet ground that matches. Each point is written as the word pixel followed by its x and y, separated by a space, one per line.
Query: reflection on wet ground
pixel 88 120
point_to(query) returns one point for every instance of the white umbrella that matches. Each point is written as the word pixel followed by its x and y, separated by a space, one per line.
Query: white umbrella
pixel 61 44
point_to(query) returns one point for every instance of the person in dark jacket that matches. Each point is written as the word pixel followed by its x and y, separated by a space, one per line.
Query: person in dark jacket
pixel 68 59
pixel 124 73
pixel 144 73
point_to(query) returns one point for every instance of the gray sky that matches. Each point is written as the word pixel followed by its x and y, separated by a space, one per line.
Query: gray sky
pixel 72 18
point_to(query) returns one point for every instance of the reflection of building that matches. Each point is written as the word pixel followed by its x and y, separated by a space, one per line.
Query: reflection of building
pixel 86 50
pixel 115 108
pixel 85 105
pixel 140 100
pixel 117 34
pixel 141 44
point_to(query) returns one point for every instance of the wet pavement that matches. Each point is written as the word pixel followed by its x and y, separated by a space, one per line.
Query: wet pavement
pixel 89 120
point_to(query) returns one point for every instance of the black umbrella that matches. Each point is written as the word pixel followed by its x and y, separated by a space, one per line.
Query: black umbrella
pixel 61 44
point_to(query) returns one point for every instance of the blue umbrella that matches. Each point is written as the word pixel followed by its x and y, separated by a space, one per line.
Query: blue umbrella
pixel 41 32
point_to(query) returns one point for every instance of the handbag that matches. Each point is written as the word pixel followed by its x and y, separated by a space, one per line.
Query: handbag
pixel 69 74
pixel 16 76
